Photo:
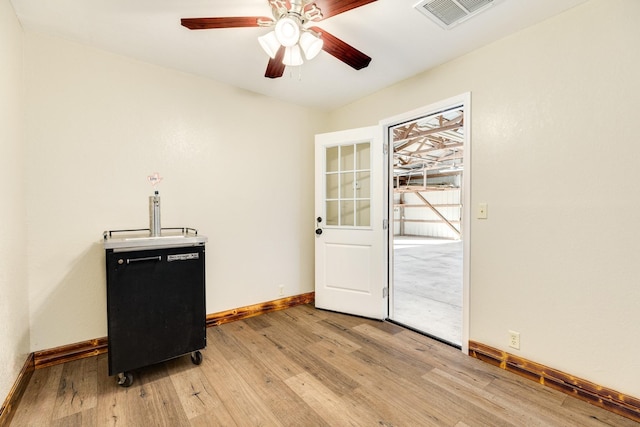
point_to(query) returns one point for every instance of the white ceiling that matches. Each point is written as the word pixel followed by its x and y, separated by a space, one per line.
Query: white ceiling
pixel 401 41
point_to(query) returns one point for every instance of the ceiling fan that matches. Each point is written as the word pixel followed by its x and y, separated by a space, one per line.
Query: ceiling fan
pixel 293 36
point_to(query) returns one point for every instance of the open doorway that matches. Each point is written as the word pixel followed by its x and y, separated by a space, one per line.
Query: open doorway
pixel 427 237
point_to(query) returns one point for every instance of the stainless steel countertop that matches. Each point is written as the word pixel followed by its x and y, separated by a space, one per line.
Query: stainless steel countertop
pixel 139 239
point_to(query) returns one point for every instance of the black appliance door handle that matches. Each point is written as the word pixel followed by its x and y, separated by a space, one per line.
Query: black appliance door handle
pixel 149 258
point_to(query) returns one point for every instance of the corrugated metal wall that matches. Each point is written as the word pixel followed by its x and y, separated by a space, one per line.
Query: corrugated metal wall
pixel 422 221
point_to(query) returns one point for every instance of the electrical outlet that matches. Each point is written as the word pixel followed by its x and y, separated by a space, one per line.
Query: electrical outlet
pixel 514 340
pixel 281 289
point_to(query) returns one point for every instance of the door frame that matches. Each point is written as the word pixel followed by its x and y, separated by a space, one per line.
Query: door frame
pixel 463 99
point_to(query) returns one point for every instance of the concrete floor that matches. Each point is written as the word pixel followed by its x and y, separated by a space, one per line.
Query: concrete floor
pixel 427 286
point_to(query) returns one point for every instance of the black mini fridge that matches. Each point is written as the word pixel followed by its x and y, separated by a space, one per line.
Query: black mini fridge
pixel 155 301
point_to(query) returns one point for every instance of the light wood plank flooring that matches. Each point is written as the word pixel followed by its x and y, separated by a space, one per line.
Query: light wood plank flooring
pixel 304 367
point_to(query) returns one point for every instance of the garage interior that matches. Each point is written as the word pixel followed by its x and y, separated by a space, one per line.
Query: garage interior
pixel 428 155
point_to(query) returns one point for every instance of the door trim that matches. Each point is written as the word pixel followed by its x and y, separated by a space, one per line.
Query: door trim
pixel 465 100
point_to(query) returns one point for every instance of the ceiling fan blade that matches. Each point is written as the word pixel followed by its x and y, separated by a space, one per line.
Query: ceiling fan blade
pixel 341 50
pixel 228 22
pixel 331 8
pixel 275 67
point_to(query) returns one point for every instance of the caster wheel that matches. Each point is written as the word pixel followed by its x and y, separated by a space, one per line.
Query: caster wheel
pixel 196 357
pixel 125 379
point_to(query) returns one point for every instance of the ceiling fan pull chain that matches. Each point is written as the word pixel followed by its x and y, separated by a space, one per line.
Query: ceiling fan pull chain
pixel 292 69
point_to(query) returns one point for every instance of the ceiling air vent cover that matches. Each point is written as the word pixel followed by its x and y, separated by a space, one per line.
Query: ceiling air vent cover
pixel 449 13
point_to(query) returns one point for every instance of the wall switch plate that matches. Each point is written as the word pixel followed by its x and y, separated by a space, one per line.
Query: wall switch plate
pixel 482 211
pixel 514 340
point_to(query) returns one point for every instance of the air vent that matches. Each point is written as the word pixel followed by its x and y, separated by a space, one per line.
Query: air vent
pixel 449 13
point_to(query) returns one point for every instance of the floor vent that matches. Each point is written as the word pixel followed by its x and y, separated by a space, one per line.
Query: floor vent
pixel 449 13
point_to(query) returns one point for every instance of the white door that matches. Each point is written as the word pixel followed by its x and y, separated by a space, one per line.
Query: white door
pixel 350 247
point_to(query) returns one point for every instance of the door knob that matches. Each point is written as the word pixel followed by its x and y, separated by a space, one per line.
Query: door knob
pixel 318 231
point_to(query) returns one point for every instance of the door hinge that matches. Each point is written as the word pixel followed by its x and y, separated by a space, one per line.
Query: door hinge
pixel 385 148
pixel 385 292
pixel 385 224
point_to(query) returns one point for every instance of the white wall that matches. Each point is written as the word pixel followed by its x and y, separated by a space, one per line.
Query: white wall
pixel 14 305
pixel 98 124
pixel 555 154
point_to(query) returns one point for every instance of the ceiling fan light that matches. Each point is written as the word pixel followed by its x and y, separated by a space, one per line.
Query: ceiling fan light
pixel 292 56
pixel 310 44
pixel 270 43
pixel 287 31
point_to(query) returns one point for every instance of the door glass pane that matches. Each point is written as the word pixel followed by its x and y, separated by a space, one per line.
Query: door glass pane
pixel 332 186
pixel 332 159
pixel 346 158
pixel 363 156
pixel 332 212
pixel 347 213
pixel 348 185
pixel 363 185
pixel 363 209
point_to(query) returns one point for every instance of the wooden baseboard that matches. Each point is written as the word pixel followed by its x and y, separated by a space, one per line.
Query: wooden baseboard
pixel 80 350
pixel 7 410
pixel 70 352
pixel 257 309
pixel 602 397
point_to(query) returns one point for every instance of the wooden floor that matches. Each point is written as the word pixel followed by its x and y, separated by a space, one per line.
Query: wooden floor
pixel 304 367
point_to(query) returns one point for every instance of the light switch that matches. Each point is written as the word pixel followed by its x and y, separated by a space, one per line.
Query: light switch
pixel 482 211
